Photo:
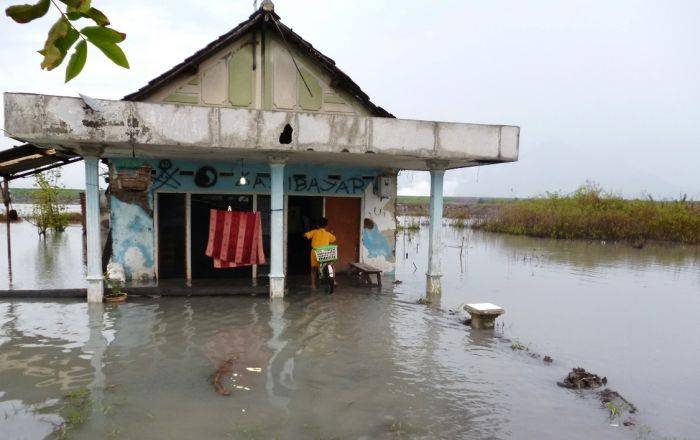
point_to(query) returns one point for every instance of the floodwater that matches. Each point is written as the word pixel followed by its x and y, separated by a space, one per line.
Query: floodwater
pixel 360 363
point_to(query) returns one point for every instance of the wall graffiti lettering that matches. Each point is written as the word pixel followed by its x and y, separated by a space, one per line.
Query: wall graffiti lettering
pixel 304 183
pixel 182 175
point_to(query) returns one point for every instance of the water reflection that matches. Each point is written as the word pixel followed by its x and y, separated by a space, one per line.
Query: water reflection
pixel 623 312
pixel 346 365
pixel 56 261
pixel 362 362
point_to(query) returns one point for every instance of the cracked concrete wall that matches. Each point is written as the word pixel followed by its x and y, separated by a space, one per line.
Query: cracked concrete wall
pixel 117 126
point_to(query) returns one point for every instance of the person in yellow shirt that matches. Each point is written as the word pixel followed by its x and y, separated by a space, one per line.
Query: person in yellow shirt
pixel 319 237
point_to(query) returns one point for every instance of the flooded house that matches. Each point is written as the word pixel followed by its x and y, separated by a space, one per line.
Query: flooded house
pixel 256 121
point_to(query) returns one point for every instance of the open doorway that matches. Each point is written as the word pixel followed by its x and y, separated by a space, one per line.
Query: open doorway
pixel 171 236
pixel 302 214
pixel 202 265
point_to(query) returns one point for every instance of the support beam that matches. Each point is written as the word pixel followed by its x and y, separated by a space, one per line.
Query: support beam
pixel 95 287
pixel 277 227
pixel 434 275
pixel 6 202
pixel 188 239
pixel 254 267
pixel 169 130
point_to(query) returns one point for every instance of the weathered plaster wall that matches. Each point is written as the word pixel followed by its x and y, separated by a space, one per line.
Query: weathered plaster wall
pixel 133 230
pixel 123 129
pixel 133 244
pixel 379 229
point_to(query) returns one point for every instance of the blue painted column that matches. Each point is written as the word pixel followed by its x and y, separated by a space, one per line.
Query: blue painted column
pixel 277 227
pixel 92 230
pixel 434 275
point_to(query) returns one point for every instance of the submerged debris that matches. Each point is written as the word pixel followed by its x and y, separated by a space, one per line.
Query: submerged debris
pixel 221 374
pixel 616 405
pixel 609 396
pixel 579 378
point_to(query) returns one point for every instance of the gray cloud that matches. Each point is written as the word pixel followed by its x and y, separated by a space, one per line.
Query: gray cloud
pixel 604 91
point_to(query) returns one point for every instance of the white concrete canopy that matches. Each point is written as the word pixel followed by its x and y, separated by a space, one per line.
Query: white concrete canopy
pixel 123 128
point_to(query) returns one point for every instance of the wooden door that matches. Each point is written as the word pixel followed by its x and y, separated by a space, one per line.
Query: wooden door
pixel 344 215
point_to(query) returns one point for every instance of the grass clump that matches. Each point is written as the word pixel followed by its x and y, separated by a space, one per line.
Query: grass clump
pixel 460 223
pixel 517 346
pixel 591 213
pixel 412 226
pixel 76 410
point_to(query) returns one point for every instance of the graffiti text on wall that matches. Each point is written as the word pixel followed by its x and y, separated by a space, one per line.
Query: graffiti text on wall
pixel 167 175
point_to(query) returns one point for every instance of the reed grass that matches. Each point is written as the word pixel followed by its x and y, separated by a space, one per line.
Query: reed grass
pixel 412 226
pixel 592 213
pixel 73 217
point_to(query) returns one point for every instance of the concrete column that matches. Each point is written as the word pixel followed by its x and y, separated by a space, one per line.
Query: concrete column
pixel 92 227
pixel 434 275
pixel 277 228
pixel 188 239
pixel 6 202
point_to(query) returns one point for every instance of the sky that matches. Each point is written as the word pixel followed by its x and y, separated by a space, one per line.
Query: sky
pixel 604 91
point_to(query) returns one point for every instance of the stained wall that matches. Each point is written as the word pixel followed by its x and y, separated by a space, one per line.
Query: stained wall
pixel 132 214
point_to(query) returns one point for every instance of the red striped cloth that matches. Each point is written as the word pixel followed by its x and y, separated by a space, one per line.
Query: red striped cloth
pixel 235 239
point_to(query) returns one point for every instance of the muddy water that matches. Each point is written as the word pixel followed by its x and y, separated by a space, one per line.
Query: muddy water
pixel 362 364
pixel 56 262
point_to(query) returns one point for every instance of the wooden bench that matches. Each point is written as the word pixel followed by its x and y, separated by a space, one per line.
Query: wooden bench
pixel 363 271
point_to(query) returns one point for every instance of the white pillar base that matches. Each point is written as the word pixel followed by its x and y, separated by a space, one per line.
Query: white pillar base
pixel 95 290
pixel 276 286
pixel 434 284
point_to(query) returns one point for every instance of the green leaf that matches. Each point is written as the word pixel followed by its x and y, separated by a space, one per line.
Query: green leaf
pixel 93 13
pixel 103 34
pixel 52 53
pixel 52 57
pixel 26 13
pixel 113 52
pixel 77 61
pixel 65 43
pixel 98 17
pixel 77 5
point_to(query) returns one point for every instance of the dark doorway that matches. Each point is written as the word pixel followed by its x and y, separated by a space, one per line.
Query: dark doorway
pixel 344 214
pixel 203 266
pixel 171 236
pixel 302 214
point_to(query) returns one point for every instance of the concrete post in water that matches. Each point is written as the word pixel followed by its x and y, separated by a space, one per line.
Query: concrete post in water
pixel 483 315
pixel 277 227
pixel 92 226
pixel 434 275
pixel 6 202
